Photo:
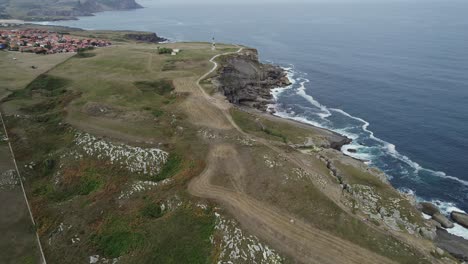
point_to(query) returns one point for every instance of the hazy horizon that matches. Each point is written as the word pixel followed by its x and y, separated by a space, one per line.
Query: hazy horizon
pixel 186 2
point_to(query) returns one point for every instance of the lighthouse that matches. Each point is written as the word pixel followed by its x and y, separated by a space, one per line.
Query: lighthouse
pixel 213 44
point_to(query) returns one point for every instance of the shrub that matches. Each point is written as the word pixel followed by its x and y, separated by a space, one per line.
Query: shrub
pixel 165 50
pixel 152 210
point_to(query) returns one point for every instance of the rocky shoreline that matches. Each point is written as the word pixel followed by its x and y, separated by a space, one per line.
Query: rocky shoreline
pixel 247 82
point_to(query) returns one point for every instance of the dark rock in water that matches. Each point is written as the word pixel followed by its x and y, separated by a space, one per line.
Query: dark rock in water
pixel 444 221
pixel 455 245
pixel 460 218
pixel 246 81
pixel 352 150
pixel 145 37
pixel 428 208
pixel 339 144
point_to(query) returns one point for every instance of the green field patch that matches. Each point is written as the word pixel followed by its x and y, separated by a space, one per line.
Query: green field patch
pixel 248 123
pixel 46 85
pixel 161 87
pixel 83 183
pixel 181 237
pixel 170 168
pixel 116 238
pixel 84 55
pixel 152 211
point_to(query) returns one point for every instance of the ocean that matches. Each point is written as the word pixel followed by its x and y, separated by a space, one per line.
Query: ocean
pixel 391 75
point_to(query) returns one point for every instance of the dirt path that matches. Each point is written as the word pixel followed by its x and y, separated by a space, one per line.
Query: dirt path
pixel 296 238
pixel 304 242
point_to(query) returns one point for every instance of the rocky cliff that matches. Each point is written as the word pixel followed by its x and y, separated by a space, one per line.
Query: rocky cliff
pixel 246 81
pixel 145 37
pixel 65 9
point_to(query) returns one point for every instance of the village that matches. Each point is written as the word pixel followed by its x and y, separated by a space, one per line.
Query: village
pixel 45 42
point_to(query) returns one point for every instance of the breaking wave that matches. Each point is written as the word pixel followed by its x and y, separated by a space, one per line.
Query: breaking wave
pixel 293 102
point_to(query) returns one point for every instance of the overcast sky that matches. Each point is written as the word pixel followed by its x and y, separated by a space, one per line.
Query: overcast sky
pixel 193 2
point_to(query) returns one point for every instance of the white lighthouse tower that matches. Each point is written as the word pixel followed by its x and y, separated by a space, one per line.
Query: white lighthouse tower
pixel 213 44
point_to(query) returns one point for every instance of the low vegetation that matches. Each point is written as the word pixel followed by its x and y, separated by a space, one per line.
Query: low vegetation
pixel 83 134
pixel 165 50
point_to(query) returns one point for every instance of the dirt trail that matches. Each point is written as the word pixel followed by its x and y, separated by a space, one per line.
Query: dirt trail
pixel 304 242
pixel 296 238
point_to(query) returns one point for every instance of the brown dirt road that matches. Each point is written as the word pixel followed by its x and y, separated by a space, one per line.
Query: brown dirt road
pixel 296 238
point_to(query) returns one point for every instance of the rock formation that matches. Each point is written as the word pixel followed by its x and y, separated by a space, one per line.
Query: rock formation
pixel 460 218
pixel 145 37
pixel 455 245
pixel 428 208
pixel 246 81
pixel 444 221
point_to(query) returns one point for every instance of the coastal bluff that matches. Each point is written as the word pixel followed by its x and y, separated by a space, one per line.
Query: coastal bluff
pixel 48 10
pixel 246 81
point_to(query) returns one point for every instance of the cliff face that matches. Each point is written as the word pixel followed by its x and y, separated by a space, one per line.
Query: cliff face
pixel 93 6
pixel 244 80
pixel 65 9
pixel 145 37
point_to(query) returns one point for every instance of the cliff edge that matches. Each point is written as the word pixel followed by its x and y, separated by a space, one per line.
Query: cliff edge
pixel 62 10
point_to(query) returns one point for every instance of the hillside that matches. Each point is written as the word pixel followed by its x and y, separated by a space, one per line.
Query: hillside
pixel 132 155
pixel 37 10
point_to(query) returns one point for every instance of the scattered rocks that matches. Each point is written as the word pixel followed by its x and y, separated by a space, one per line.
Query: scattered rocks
pixel 460 218
pixel 140 186
pixel 428 233
pixel 137 160
pixel 440 251
pixel 444 221
pixel 237 247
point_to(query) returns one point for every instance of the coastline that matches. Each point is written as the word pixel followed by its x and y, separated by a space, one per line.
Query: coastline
pixel 297 122
pixel 90 8
pixel 446 207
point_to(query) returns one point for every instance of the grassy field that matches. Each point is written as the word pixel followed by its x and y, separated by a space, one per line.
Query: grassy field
pixel 83 129
pixel 131 100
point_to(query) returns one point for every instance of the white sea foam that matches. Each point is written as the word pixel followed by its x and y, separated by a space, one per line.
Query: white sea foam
pixel 459 230
pixel 358 154
pixel 325 113
pixel 302 92
pixel 446 208
pixel 391 150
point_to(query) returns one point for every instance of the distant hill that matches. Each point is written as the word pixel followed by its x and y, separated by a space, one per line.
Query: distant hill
pixel 60 9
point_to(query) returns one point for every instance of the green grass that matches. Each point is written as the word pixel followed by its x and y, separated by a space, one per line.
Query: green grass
pixel 152 210
pixel 259 127
pixel 171 168
pixel 90 181
pixel 116 238
pixel 274 133
pixel 45 84
pixel 84 55
pixel 181 237
pixel 161 87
